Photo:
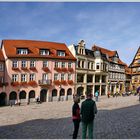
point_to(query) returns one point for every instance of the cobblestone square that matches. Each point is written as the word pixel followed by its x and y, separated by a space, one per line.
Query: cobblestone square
pixel 117 118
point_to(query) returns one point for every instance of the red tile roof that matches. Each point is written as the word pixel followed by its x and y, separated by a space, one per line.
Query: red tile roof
pixel 104 51
pixel 34 46
pixel 108 52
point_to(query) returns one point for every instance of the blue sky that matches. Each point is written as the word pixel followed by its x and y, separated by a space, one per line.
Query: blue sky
pixel 114 26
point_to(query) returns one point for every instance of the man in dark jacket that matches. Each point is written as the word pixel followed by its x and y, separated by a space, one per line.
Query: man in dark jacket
pixel 88 111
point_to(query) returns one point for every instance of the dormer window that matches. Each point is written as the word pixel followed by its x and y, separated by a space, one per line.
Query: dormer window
pixel 61 53
pixel 44 52
pixel 97 53
pixel 22 51
pixel 115 59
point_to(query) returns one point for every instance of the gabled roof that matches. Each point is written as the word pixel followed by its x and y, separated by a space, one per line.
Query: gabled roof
pixel 134 57
pixel 104 51
pixel 34 47
pixel 109 53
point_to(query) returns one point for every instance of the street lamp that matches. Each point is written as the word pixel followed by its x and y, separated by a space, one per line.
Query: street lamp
pixel 59 92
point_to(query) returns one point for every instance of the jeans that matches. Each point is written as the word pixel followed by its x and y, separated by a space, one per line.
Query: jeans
pixel 76 128
pixel 96 98
pixel 87 126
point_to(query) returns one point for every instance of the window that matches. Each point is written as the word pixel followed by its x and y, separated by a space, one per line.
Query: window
pixel 32 77
pixel 15 64
pixel 32 63
pixel 61 53
pixel 83 64
pixel 63 64
pixel 22 51
pixel 55 76
pixel 23 78
pixel 23 63
pixel 1 79
pixel 79 63
pixel 69 77
pixel 1 67
pixel 63 77
pixel 45 64
pixel 92 65
pixel 69 64
pixel 97 66
pixel 44 52
pixel 57 64
pixel 45 76
pixel 88 65
pixel 14 77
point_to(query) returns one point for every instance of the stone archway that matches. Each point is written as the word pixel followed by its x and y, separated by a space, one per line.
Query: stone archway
pixel 80 91
pixel 3 97
pixel 62 94
pixel 12 98
pixel 43 95
pixel 31 96
pixel 22 96
pixel 69 94
pixel 54 95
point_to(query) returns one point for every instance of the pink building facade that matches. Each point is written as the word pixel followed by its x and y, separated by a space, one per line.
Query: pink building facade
pixel 36 69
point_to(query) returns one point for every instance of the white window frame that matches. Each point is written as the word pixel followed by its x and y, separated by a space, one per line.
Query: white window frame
pixel 32 77
pixel 23 63
pixel 61 53
pixel 63 77
pixel 32 63
pixel 22 51
pixel 45 76
pixel 63 64
pixel 69 65
pixel 69 76
pixel 44 52
pixel 14 77
pixel 15 64
pixel 56 76
pixel 45 64
pixel 23 77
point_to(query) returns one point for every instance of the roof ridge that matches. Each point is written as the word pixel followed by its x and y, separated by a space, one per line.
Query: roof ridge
pixel 31 41
pixel 103 48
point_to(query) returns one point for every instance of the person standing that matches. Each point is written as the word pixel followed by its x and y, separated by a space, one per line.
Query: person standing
pixel 96 95
pixel 76 116
pixel 88 111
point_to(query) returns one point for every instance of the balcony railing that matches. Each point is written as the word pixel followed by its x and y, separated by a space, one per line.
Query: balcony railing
pixel 45 82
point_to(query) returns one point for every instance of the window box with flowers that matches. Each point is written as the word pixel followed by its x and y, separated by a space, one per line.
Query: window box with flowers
pixel 24 68
pixel 15 69
pixel 57 82
pixel 32 83
pixel 15 84
pixel 64 69
pixel 33 68
pixel 46 69
pixel 64 82
pixel 70 82
pixel 5 84
pixel 70 70
pixel 57 69
pixel 23 83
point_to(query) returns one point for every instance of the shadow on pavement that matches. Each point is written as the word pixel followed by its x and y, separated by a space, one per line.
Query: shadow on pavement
pixel 121 123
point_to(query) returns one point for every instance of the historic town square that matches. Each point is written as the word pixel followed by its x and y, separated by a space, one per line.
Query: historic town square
pixel 69 70
pixel 117 118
